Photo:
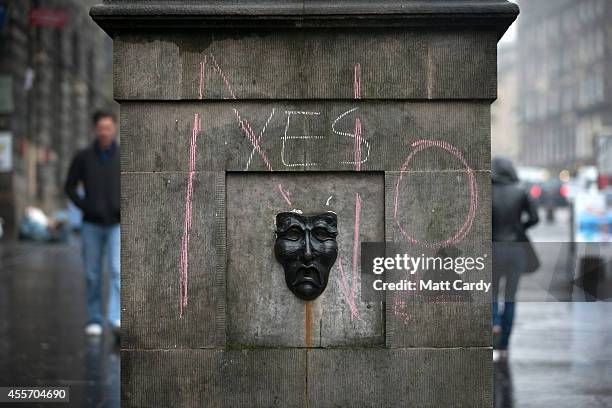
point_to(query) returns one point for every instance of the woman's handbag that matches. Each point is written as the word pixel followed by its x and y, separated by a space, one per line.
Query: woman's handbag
pixel 532 262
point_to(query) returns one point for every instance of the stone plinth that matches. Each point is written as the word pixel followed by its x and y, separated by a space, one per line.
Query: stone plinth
pixel 232 112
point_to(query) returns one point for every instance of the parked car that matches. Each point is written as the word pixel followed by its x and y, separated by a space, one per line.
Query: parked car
pixel 554 194
pixel 547 192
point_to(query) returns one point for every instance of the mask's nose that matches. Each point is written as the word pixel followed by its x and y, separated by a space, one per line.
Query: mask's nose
pixel 308 255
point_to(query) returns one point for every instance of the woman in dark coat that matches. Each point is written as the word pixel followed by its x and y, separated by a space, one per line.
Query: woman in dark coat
pixel 513 213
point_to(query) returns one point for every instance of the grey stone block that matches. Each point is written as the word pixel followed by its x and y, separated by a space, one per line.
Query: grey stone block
pixel 395 64
pixel 400 378
pixel 261 309
pixel 434 207
pixel 153 209
pixel 335 378
pixel 416 323
pixel 213 378
pixel 157 135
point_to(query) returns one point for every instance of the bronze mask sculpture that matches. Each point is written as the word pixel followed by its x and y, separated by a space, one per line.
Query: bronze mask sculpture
pixel 306 247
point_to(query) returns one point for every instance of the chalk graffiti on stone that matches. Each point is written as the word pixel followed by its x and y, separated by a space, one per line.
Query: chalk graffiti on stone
pixel 417 147
pixel 294 135
pixel 286 137
pixel 259 139
pixel 187 218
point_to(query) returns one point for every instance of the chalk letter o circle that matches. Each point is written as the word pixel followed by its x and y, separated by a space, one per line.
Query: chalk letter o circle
pixel 419 146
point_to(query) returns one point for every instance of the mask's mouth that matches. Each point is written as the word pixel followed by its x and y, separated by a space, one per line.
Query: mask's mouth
pixel 308 276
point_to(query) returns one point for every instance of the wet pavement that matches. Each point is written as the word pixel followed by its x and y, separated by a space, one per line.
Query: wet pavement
pixel 560 351
pixel 42 315
pixel 561 356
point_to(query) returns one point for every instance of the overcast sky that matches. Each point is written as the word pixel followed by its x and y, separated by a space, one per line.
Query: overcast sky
pixel 510 35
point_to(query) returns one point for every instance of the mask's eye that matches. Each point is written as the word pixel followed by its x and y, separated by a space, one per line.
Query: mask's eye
pixel 322 234
pixel 293 234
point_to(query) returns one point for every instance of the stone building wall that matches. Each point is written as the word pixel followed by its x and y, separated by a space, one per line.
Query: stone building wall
pixel 59 76
pixel 564 85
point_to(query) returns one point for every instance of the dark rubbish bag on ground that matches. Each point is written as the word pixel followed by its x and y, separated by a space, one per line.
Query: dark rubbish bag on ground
pixel 36 226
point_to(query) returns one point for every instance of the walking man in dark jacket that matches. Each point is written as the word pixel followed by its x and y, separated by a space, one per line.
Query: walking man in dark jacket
pixel 97 169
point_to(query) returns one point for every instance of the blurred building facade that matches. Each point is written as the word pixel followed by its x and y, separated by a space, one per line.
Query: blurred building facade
pixel 56 68
pixel 564 80
pixel 504 120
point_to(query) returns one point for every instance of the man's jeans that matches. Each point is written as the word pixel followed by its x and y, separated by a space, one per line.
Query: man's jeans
pixel 508 263
pixel 100 240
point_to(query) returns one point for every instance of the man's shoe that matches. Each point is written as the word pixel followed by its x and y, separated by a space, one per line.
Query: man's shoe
pixel 93 329
pixel 500 356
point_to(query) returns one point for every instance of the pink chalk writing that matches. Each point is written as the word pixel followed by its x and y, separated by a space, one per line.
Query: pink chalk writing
pixel 346 291
pixel 399 309
pixel 245 126
pixel 357 148
pixel 419 146
pixel 350 292
pixel 350 295
pixel 286 195
pixel 187 219
pixel 347 288
pixel 226 82
pixel 361 140
pixel 261 135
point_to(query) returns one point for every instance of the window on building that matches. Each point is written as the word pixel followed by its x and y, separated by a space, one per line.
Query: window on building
pixel 76 59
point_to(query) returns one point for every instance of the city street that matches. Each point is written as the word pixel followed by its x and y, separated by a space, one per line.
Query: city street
pixel 560 351
pixel 42 315
pixel 233 156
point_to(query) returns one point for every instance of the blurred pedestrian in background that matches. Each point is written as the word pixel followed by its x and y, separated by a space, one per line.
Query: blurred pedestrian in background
pixel 96 169
pixel 513 212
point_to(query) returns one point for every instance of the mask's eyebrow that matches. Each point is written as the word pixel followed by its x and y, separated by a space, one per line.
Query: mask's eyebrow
pixel 327 223
pixel 285 221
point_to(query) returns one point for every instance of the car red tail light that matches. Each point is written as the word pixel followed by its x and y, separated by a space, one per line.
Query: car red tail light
pixel 603 181
pixel 536 191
